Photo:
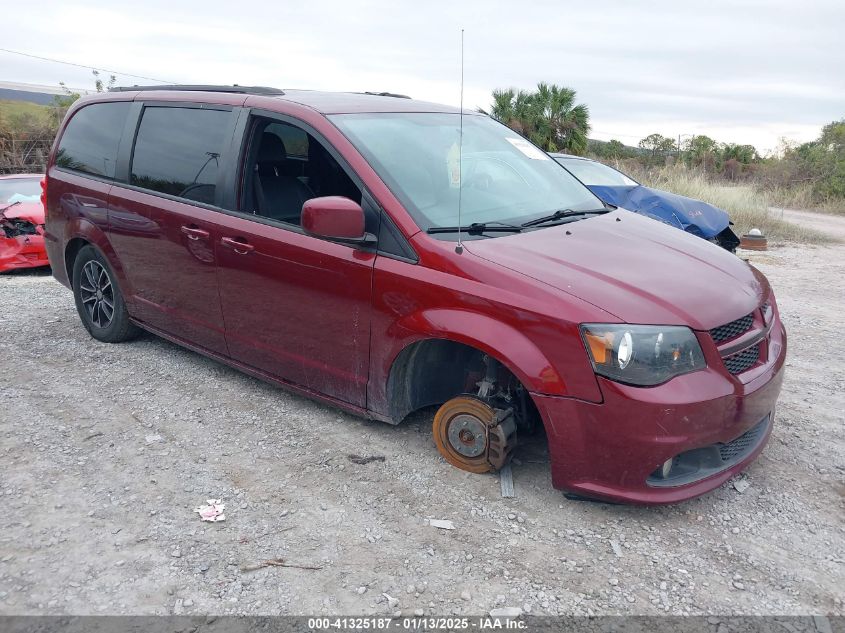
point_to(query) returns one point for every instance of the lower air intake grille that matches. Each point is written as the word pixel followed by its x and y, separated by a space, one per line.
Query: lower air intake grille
pixel 738 363
pixel 732 329
pixel 737 449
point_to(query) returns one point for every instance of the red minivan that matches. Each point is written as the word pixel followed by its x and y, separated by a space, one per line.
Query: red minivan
pixel 384 255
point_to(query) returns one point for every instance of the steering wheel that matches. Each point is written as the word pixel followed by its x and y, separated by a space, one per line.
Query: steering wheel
pixel 482 181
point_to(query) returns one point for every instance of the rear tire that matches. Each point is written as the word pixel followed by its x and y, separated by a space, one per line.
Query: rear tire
pixel 99 301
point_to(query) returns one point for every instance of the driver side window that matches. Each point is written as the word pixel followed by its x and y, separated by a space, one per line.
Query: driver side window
pixel 287 166
pixel 177 151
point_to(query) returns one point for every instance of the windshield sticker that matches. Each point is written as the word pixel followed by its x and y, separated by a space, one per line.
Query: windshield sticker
pixel 453 163
pixel 526 148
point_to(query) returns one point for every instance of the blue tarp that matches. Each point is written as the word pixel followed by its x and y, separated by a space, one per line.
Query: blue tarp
pixel 694 216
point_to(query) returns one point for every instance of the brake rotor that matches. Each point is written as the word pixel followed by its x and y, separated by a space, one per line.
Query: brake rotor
pixel 472 435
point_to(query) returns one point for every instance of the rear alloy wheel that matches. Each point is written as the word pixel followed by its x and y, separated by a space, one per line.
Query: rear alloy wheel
pixel 473 436
pixel 98 300
pixel 97 294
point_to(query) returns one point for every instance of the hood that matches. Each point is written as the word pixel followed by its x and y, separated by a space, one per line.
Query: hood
pixel 30 211
pixel 638 270
pixel 681 212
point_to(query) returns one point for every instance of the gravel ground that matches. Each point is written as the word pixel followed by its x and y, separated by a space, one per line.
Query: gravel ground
pixel 105 450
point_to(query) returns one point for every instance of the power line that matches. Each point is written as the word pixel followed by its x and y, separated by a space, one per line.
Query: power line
pixel 105 70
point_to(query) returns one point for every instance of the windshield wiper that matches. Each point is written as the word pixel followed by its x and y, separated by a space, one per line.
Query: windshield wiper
pixel 560 214
pixel 477 227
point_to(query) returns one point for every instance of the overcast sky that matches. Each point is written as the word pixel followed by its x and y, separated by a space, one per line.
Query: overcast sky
pixel 748 71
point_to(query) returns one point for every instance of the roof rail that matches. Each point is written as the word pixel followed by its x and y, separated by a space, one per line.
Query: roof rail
pixel 252 90
pixel 385 94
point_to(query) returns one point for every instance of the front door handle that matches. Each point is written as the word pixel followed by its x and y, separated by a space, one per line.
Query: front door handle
pixel 241 248
pixel 195 233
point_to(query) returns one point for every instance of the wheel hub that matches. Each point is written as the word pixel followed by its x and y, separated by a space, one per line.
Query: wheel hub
pixel 467 435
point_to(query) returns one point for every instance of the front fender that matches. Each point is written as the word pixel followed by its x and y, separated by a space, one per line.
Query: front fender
pixel 500 340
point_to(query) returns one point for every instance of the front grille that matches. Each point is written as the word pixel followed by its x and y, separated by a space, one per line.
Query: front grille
pixel 738 363
pixel 736 450
pixel 732 329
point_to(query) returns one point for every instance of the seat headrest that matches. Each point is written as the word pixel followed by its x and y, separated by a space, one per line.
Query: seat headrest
pixel 272 149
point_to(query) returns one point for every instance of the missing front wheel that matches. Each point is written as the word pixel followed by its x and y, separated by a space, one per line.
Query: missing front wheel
pixel 474 436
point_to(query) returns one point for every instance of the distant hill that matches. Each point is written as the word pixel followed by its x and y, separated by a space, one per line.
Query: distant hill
pixel 596 146
pixel 40 98
pixel 32 93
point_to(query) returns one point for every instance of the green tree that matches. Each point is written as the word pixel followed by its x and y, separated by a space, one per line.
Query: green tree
pixel 745 154
pixel 548 116
pixel 562 125
pixel 657 144
pixel 514 109
pixel 610 150
pixel 701 151
pixel 824 161
pixel 615 149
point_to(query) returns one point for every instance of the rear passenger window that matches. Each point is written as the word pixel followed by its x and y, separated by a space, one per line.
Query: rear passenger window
pixel 89 143
pixel 177 151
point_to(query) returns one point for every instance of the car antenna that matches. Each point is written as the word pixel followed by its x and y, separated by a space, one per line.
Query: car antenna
pixel 460 247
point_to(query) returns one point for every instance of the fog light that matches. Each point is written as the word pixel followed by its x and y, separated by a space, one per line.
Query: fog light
pixel 666 468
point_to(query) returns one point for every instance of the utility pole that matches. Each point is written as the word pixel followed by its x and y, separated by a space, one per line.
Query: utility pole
pixel 679 143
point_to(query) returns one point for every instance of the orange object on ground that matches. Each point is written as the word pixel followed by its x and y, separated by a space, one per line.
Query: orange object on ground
pixel 753 242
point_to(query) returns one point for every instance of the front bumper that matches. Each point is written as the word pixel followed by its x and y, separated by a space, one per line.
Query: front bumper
pixel 24 251
pixel 610 450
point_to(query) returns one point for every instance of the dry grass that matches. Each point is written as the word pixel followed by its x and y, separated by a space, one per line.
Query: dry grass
pixel 748 207
pixel 801 196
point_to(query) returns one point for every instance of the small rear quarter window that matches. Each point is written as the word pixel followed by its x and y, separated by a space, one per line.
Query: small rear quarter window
pixel 91 139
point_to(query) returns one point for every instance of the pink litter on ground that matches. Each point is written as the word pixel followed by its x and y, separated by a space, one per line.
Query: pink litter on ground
pixel 213 511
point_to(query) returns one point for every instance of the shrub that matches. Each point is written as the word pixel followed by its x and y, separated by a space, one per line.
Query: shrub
pixel 748 207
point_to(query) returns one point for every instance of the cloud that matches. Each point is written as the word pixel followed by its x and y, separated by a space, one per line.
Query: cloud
pixel 749 69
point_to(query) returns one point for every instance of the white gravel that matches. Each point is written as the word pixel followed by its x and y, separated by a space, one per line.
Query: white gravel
pixel 105 450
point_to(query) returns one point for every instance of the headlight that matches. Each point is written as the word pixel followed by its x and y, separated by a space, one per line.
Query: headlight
pixel 643 355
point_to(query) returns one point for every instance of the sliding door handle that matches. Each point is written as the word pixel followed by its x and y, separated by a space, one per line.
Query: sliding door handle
pixel 241 248
pixel 195 233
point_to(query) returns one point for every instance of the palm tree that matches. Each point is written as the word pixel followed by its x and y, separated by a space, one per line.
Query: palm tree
pixel 514 109
pixel 549 116
pixel 562 125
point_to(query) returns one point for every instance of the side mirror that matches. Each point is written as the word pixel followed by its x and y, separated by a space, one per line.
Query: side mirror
pixel 335 218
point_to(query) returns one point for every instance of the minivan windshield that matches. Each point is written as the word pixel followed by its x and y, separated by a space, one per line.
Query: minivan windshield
pixel 501 177
pixel 596 174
